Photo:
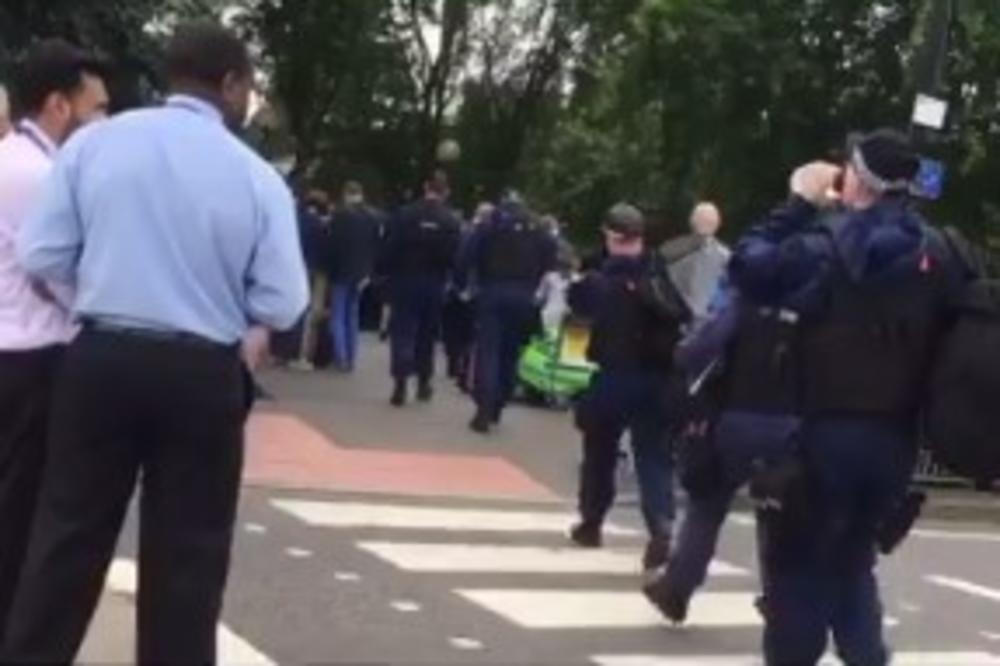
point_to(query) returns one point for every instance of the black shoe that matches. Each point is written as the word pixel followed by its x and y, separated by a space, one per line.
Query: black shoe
pixel 480 424
pixel 399 395
pixel 587 535
pixel 673 605
pixel 425 392
pixel 657 553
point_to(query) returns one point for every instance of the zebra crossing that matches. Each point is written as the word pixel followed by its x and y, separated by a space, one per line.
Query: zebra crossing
pixel 546 587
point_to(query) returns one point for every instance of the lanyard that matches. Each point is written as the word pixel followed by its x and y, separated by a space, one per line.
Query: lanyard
pixel 31 133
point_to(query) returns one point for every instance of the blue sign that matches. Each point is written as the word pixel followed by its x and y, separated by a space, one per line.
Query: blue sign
pixel 930 180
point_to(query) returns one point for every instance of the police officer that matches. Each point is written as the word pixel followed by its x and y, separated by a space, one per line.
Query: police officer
pixel 509 254
pixel 636 314
pixel 742 370
pixel 874 280
pixel 420 249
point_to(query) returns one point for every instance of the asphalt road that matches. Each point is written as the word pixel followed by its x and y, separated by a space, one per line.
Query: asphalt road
pixel 329 570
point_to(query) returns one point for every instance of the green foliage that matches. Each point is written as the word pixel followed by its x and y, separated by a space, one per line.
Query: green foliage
pixel 580 102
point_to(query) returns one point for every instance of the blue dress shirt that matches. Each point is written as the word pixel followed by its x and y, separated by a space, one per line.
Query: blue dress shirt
pixel 162 219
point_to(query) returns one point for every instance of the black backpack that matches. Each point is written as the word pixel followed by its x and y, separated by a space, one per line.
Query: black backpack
pixel 962 415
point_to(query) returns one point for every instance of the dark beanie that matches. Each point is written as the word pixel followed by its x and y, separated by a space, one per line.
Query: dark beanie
pixel 885 160
pixel 626 220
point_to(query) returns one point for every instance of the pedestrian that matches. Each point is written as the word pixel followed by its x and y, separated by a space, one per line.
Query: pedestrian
pixel 59 88
pixel 748 419
pixel 458 330
pixel 355 234
pixel 636 316
pixel 305 344
pixel 873 281
pixel 153 387
pixel 553 293
pixel 420 250
pixel 509 254
pixel 698 260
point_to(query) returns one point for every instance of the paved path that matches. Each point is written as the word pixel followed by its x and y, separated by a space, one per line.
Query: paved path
pixel 376 536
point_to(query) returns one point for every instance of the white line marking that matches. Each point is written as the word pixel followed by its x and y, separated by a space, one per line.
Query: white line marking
pixel 406 606
pixel 467 558
pixel 233 649
pixel 254 528
pixel 465 644
pixel 965 586
pixel 898 659
pixel 123 576
pixel 907 607
pixel 566 609
pixel 299 553
pixel 945 535
pixel 990 635
pixel 358 515
pixel 347 577
pixel 743 519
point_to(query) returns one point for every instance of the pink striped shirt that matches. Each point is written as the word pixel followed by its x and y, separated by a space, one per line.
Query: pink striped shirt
pixel 27 320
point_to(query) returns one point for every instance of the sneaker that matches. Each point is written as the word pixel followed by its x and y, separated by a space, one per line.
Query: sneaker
pixel 673 605
pixel 587 535
pixel 425 392
pixel 480 424
pixel 301 365
pixel 399 395
pixel 657 553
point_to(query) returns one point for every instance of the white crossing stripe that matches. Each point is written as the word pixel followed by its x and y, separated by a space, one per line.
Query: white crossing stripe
pixel 360 515
pixel 468 558
pixel 123 578
pixel 965 586
pixel 898 659
pixel 948 535
pixel 574 609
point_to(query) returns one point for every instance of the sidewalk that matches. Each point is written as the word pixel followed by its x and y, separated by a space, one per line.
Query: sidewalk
pixel 536 450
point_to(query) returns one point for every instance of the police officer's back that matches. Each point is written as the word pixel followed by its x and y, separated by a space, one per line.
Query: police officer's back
pixel 509 254
pixel 420 250
pixel 871 279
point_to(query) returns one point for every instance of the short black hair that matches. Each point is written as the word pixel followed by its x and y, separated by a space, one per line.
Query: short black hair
pixel 205 53
pixel 51 66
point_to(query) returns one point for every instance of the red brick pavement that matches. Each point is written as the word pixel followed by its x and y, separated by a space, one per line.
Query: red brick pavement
pixel 284 451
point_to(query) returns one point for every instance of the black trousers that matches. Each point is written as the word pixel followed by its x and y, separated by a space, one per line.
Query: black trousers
pixel 25 395
pixel 128 409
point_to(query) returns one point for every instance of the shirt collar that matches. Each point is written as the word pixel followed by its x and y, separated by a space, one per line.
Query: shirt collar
pixel 196 105
pixel 30 129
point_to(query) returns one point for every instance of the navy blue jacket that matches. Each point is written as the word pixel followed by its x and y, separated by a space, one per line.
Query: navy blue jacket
pixel 355 233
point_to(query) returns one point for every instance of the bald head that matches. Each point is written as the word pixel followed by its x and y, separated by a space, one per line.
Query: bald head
pixel 706 219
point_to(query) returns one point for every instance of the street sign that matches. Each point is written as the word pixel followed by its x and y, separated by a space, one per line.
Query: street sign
pixel 930 180
pixel 930 112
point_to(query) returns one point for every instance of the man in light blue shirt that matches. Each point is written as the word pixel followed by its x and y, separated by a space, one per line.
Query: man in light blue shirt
pixel 180 243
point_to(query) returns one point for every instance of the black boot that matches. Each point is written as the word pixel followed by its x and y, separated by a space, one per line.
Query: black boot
pixel 425 392
pixel 587 535
pixel 399 394
pixel 671 603
pixel 481 423
pixel 657 552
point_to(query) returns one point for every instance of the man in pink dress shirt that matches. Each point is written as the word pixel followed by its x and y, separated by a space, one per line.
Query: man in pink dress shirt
pixel 57 89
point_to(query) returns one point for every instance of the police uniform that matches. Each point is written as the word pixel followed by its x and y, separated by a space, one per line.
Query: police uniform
pixel 753 403
pixel 509 255
pixel 636 316
pixel 875 283
pixel 421 245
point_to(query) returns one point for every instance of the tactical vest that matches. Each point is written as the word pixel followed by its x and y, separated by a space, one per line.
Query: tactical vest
pixel 870 351
pixel 513 253
pixel 764 367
